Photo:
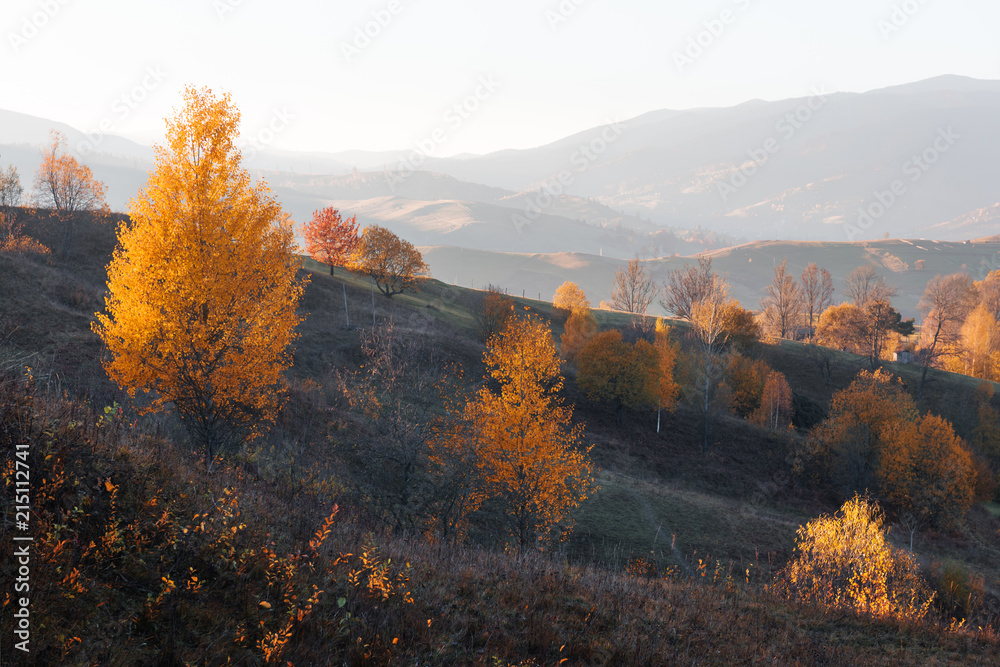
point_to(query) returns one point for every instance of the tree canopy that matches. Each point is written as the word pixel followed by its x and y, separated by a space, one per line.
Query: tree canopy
pixel 202 295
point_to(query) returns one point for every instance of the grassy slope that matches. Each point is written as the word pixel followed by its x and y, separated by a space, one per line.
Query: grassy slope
pixel 661 499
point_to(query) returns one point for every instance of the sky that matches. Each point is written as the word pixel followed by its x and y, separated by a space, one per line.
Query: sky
pixel 313 75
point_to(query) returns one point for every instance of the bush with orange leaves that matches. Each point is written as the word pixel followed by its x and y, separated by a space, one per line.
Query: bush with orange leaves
pixel 14 242
pixel 844 561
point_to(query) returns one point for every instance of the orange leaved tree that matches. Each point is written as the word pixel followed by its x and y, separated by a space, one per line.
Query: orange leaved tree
pixel 609 369
pixel 391 262
pixel 67 187
pixel 928 474
pixel 529 450
pixel 863 425
pixel 329 237
pixel 775 411
pixel 569 297
pixel 580 328
pixel 202 294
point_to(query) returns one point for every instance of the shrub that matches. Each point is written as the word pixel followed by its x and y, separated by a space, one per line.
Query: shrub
pixel 844 561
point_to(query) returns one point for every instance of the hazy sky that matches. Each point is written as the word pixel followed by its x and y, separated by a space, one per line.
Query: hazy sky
pixel 523 72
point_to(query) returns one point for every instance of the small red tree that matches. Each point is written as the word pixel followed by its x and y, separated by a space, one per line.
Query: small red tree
pixel 329 237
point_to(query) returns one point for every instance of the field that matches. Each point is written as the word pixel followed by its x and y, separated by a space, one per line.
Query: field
pixel 671 560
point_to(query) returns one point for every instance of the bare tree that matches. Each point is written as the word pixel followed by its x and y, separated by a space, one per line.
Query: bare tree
pixel 945 304
pixel 63 184
pixel 684 287
pixel 864 284
pixel 11 191
pixel 783 302
pixel 634 289
pixel 491 312
pixel 817 292
pixel 879 320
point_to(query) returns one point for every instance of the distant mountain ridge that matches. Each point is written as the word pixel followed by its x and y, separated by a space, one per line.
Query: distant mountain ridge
pixel 917 160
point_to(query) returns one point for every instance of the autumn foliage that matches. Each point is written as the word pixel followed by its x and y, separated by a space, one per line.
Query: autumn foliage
pixel 393 263
pixel 202 294
pixel 329 237
pixel 569 297
pixel 844 561
pixel 875 440
pixel 63 184
pixel 616 372
pixel 580 328
pixel 529 453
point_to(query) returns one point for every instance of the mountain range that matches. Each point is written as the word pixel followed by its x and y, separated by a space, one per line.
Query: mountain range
pixel 916 161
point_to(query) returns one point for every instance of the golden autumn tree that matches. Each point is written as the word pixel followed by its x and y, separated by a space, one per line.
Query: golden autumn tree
pixel 529 450
pixel 570 297
pixel 863 424
pixel 978 351
pixel 611 370
pixel 393 263
pixel 928 474
pixel 712 321
pixel 775 410
pixel 330 238
pixel 580 328
pixel 202 294
pixel 746 378
pixel 68 188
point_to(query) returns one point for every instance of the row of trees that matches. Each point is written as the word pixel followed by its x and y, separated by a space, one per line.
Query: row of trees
pixel 202 310
pixel 638 373
pixel 391 262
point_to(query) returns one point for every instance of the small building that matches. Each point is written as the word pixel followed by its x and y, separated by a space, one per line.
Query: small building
pixel 904 356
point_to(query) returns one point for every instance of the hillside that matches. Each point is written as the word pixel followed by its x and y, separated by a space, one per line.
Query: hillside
pixel 667 563
pixel 905 264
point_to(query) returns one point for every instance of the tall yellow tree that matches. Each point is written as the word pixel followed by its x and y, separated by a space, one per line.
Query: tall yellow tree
pixel 202 294
pixel 529 449
pixel 667 388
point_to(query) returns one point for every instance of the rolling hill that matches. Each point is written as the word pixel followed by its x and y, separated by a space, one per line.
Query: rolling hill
pixel 905 264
